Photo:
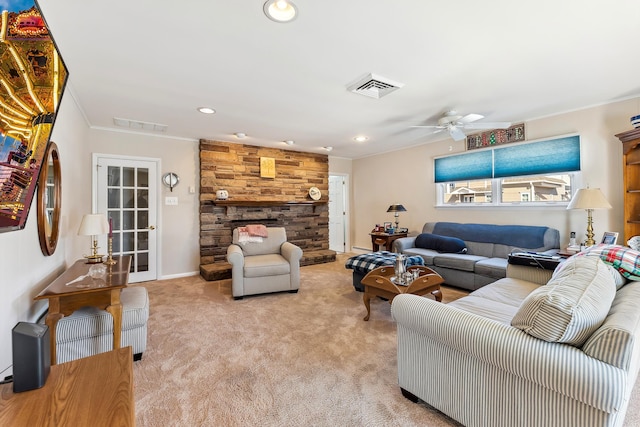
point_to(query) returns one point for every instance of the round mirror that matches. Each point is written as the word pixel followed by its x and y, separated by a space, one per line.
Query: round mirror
pixel 49 200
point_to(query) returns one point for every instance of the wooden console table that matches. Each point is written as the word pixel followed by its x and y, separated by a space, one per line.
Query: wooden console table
pixel 386 239
pixel 92 391
pixel 65 298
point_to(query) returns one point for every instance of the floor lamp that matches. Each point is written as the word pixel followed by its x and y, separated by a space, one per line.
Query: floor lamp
pixel 589 199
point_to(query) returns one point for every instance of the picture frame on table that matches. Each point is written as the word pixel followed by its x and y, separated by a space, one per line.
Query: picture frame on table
pixel 609 238
pixel 387 225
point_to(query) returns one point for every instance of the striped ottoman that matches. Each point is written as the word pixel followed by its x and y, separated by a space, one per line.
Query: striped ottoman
pixel 363 264
pixel 89 330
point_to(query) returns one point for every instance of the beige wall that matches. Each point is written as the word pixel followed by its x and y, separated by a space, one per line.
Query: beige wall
pixel 178 226
pixel 410 181
pixel 24 270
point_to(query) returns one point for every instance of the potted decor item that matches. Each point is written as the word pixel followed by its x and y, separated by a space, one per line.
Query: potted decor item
pixel 222 194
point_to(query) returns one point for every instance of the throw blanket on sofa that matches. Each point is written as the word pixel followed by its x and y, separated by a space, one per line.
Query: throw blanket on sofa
pixel 522 236
pixel 252 233
pixel 623 259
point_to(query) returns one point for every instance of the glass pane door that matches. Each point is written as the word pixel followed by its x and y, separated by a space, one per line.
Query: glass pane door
pixel 129 202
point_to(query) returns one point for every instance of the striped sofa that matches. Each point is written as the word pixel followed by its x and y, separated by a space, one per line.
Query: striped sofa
pixel 480 361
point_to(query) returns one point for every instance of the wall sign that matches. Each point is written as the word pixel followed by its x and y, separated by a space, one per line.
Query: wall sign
pixel 267 167
pixel 496 137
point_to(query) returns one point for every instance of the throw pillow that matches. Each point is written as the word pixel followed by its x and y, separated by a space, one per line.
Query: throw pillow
pixel 443 244
pixel 571 306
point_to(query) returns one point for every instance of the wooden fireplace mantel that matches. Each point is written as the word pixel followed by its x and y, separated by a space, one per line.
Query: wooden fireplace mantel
pixel 251 203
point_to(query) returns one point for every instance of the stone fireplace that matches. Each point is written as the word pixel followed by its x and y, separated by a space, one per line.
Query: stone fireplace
pixel 281 201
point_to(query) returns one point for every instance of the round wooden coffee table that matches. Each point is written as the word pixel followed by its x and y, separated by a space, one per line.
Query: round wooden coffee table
pixel 378 283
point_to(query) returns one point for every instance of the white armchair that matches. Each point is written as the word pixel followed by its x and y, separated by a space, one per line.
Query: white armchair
pixel 272 265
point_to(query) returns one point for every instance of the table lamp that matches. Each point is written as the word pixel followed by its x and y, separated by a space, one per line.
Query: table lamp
pixel 589 199
pixel 93 225
pixel 396 209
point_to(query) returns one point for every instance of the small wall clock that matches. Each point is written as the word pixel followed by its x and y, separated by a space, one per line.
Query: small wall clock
pixel 314 193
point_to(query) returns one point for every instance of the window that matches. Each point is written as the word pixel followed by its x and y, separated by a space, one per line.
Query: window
pixel 535 189
pixel 468 192
pixel 530 173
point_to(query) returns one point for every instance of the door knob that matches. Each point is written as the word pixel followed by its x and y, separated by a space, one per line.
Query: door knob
pixel 151 227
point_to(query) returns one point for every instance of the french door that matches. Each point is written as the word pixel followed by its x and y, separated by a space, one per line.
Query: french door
pixel 126 191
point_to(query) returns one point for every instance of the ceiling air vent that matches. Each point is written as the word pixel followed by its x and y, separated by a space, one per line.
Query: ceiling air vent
pixel 374 86
pixel 138 125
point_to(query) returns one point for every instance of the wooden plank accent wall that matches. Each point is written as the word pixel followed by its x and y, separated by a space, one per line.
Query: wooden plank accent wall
pixel 236 168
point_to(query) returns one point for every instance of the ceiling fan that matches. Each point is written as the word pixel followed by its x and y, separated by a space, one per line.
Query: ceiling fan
pixel 455 123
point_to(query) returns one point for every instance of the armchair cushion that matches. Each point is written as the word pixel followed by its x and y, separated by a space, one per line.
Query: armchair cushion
pixel 266 265
pixel 269 245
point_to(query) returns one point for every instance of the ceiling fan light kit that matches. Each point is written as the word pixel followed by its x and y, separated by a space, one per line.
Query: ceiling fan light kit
pixel 455 124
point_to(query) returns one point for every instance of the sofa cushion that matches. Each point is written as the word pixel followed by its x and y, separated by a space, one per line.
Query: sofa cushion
pixel 497 301
pixel 523 236
pixel 462 262
pixel 426 254
pixel 571 306
pixel 492 267
pixel 440 243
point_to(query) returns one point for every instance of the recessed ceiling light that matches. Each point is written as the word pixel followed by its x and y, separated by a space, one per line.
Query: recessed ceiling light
pixel 289 142
pixel 240 135
pixel 280 10
pixel 360 138
pixel 206 110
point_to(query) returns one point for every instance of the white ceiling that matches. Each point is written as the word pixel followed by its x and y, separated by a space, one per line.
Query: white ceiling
pixel 157 61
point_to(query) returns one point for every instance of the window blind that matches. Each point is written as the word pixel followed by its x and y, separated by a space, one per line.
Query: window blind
pixel 542 157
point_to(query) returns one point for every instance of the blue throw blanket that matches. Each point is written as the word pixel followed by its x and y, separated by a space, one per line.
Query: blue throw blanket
pixel 366 262
pixel 521 236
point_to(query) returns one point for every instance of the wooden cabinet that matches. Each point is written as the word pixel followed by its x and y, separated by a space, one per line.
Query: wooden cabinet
pixel 631 182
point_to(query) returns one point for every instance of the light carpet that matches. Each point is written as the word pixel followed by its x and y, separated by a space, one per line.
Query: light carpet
pixel 305 359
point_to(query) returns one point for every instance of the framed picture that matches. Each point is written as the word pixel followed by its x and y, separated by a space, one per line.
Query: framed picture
pixel 387 225
pixel 609 238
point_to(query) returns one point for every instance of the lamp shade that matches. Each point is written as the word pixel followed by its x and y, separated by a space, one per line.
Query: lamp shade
pixel 589 198
pixel 396 208
pixel 93 225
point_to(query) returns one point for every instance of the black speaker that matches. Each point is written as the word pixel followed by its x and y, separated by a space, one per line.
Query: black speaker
pixel 31 356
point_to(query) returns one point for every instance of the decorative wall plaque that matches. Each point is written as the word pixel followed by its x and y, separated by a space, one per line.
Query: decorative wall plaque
pixel 496 137
pixel 267 167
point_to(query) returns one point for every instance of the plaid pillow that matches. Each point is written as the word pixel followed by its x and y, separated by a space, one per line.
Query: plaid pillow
pixel 623 259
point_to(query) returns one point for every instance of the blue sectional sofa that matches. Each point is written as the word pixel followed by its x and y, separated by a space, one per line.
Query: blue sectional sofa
pixel 470 256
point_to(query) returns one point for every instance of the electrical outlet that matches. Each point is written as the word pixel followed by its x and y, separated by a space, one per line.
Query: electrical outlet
pixel 172 201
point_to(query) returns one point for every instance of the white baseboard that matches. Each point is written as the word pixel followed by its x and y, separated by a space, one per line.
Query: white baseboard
pixel 179 275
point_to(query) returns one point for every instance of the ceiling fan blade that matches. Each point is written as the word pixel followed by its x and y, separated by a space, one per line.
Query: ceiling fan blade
pixel 487 125
pixel 456 134
pixel 428 126
pixel 470 118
